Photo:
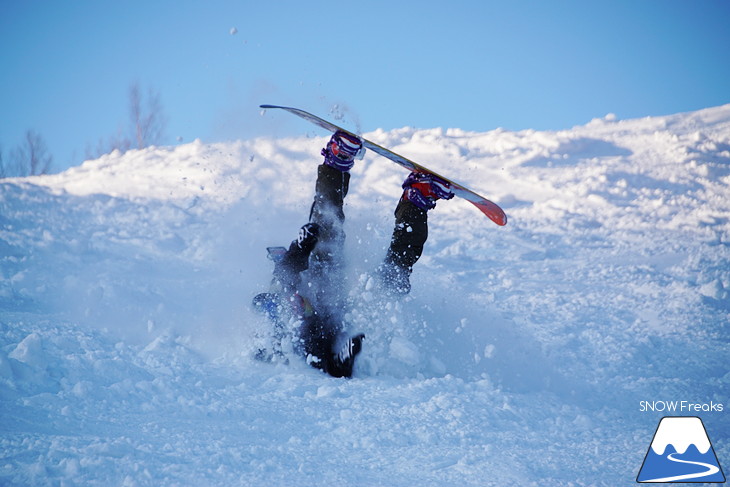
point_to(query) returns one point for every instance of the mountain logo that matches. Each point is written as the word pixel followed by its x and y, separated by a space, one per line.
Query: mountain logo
pixel 680 452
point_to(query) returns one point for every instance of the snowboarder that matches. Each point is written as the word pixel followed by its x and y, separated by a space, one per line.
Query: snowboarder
pixel 320 244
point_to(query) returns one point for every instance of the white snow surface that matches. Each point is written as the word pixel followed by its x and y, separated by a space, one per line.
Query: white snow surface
pixel 519 358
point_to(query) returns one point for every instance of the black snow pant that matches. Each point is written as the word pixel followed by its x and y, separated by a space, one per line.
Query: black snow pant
pixel 406 246
pixel 327 264
pixel 409 235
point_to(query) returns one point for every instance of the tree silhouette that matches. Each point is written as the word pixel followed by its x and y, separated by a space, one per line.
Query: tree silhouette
pixel 29 158
pixel 147 123
pixel 147 117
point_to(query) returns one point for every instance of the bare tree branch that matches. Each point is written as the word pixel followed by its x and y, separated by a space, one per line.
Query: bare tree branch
pixel 31 157
pixel 148 119
pixel 147 123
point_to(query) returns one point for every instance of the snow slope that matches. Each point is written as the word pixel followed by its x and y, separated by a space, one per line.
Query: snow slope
pixel 521 356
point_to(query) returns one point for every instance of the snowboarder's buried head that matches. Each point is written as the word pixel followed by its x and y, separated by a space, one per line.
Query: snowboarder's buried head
pixel 315 334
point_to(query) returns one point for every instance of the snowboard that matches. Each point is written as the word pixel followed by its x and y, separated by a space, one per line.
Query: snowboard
pixel 489 208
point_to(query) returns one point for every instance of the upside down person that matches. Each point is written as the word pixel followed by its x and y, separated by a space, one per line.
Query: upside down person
pixel 319 248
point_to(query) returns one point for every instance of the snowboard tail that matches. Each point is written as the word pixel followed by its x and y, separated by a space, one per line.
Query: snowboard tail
pixel 489 208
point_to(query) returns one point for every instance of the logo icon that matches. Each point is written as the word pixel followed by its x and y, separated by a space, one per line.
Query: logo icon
pixel 680 452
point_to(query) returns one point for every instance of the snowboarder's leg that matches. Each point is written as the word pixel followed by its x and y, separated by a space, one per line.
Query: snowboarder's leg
pixel 327 212
pixel 333 180
pixel 411 229
pixel 406 246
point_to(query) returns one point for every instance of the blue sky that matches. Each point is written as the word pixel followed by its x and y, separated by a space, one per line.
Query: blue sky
pixel 477 65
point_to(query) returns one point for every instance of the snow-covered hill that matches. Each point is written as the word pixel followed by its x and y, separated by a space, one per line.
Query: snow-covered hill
pixel 521 356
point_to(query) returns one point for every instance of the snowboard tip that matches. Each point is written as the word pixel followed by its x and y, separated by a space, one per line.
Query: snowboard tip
pixel 492 211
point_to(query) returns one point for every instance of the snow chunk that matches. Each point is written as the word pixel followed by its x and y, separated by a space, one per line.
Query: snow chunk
pixel 405 351
pixel 30 351
pixel 714 290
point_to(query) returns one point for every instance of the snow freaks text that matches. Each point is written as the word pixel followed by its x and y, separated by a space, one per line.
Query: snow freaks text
pixel 680 407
